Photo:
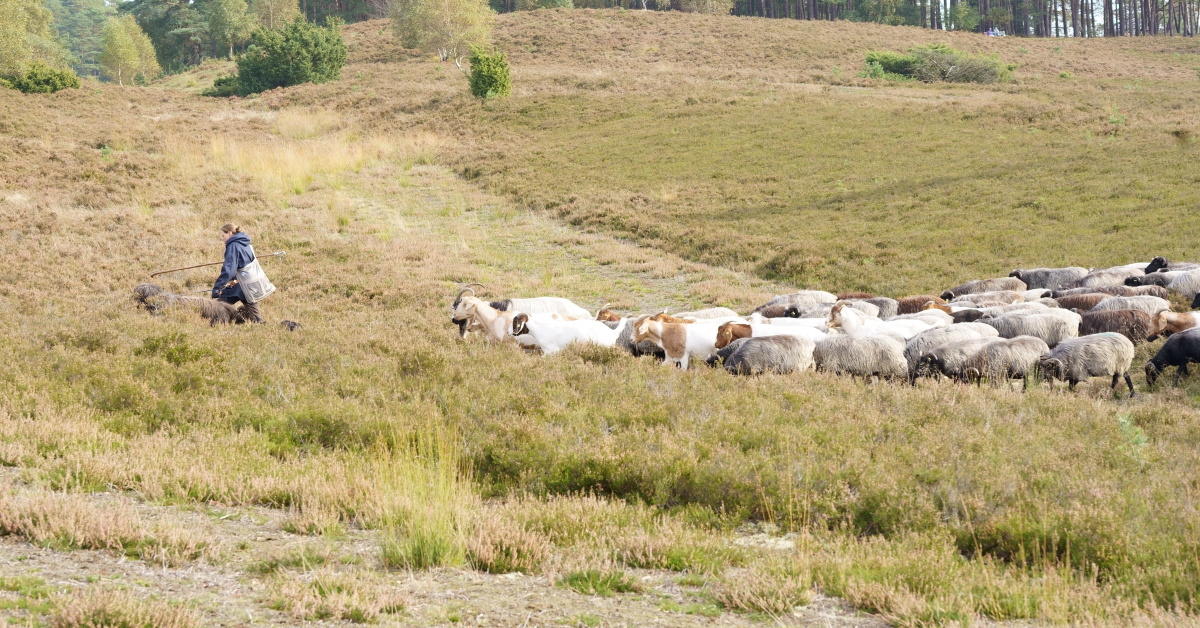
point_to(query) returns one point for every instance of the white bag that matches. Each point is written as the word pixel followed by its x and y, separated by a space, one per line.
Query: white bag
pixel 254 282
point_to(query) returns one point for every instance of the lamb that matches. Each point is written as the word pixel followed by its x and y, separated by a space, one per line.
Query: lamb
pixel 679 341
pixel 1135 325
pixel 1160 264
pixel 926 341
pixel 552 336
pixel 915 303
pixel 951 359
pixel 802 299
pixel 1106 277
pixel 1106 354
pixel 1149 305
pixel 1187 284
pixel 1048 328
pixel 1048 277
pixel 1013 358
pixel 986 285
pixel 1179 350
pixel 775 354
pixel 1000 296
pixel 1083 302
pixel 1168 322
pixel 881 356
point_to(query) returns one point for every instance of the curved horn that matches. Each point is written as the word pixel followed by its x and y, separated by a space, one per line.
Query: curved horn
pixel 466 288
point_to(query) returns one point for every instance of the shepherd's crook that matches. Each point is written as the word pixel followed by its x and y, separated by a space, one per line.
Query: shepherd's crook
pixel 275 254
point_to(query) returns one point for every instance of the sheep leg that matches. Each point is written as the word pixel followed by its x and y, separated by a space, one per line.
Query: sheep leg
pixel 1129 381
pixel 1116 381
pixel 683 362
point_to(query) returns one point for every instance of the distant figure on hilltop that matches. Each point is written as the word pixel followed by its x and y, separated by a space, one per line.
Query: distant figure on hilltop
pixel 242 279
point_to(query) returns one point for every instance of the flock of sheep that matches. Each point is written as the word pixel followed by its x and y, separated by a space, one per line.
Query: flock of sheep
pixel 1067 324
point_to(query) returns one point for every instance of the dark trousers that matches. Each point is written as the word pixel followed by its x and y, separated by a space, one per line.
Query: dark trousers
pixel 249 311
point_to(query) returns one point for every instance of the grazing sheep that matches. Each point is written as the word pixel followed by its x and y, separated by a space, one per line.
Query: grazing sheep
pixel 882 356
pixel 708 313
pixel 926 341
pixel 846 296
pixel 723 353
pixel 774 354
pixel 1187 284
pixel 775 311
pixel 1168 322
pixel 1117 291
pixel 986 285
pixel 1135 325
pixel 1149 305
pixel 1178 351
pixel 999 296
pixel 1161 278
pixel 802 299
pixel 1048 328
pixel 1105 277
pixel 1048 277
pixel 1001 310
pixel 636 349
pixel 1106 354
pixel 951 359
pixel 886 307
pixel 729 332
pixel 1082 302
pixel 1161 263
pixel 915 303
pixel 154 299
pixel 1007 359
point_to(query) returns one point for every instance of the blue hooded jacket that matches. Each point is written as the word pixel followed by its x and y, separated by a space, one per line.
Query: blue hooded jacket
pixel 238 253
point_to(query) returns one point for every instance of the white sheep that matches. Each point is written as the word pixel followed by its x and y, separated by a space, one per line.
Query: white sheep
pixel 1050 328
pixel 1105 354
pixel 1187 284
pixel 552 336
pixel 1149 305
pixel 679 341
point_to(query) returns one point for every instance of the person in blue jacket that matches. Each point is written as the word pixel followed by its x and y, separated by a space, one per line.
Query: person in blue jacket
pixel 238 253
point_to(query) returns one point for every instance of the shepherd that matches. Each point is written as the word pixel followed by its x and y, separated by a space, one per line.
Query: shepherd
pixel 242 279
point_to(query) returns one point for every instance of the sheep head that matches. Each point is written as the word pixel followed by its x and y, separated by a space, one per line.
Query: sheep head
pixel 724 336
pixel 1052 368
pixel 1152 372
pixel 793 311
pixel 463 290
pixel 835 315
pixel 1156 264
pixel 947 295
pixel 1016 273
pixel 641 329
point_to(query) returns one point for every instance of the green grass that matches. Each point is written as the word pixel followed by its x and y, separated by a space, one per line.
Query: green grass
pixel 601 583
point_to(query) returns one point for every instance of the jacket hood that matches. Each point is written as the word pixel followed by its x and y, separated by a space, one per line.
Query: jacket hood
pixel 239 238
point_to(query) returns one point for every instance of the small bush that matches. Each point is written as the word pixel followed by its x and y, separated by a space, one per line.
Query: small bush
pixel 41 79
pixel 107 607
pixel 771 589
pixel 892 62
pixel 223 87
pixel 489 75
pixel 500 545
pixel 301 53
pixel 602 583
pixel 935 63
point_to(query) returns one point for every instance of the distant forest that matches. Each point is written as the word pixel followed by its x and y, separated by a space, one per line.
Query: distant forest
pixel 183 35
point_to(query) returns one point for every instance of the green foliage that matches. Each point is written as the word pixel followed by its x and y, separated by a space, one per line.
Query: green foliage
pixel 602 583
pixel 448 28
pixel 127 51
pixel 27 35
pixel 173 348
pixel 301 53
pixel 964 17
pixel 80 26
pixel 179 30
pixel 935 63
pixel 223 87
pixel 489 77
pixel 230 22
pixel 275 14
pixel 42 79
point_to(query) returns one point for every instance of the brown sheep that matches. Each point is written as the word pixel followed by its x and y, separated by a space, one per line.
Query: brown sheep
pixel 608 315
pixel 154 299
pixel 1135 325
pixel 663 317
pixel 1082 302
pixel 854 295
pixel 916 303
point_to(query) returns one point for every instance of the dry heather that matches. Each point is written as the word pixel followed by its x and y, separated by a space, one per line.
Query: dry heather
pixel 932 504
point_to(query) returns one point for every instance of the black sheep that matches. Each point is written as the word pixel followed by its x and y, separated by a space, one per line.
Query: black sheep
pixel 1179 350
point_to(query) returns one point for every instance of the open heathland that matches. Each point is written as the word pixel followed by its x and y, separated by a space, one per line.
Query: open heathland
pixel 645 160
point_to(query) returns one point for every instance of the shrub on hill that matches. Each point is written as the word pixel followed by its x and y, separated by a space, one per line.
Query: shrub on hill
pixel 489 74
pixel 40 78
pixel 301 53
pixel 936 62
